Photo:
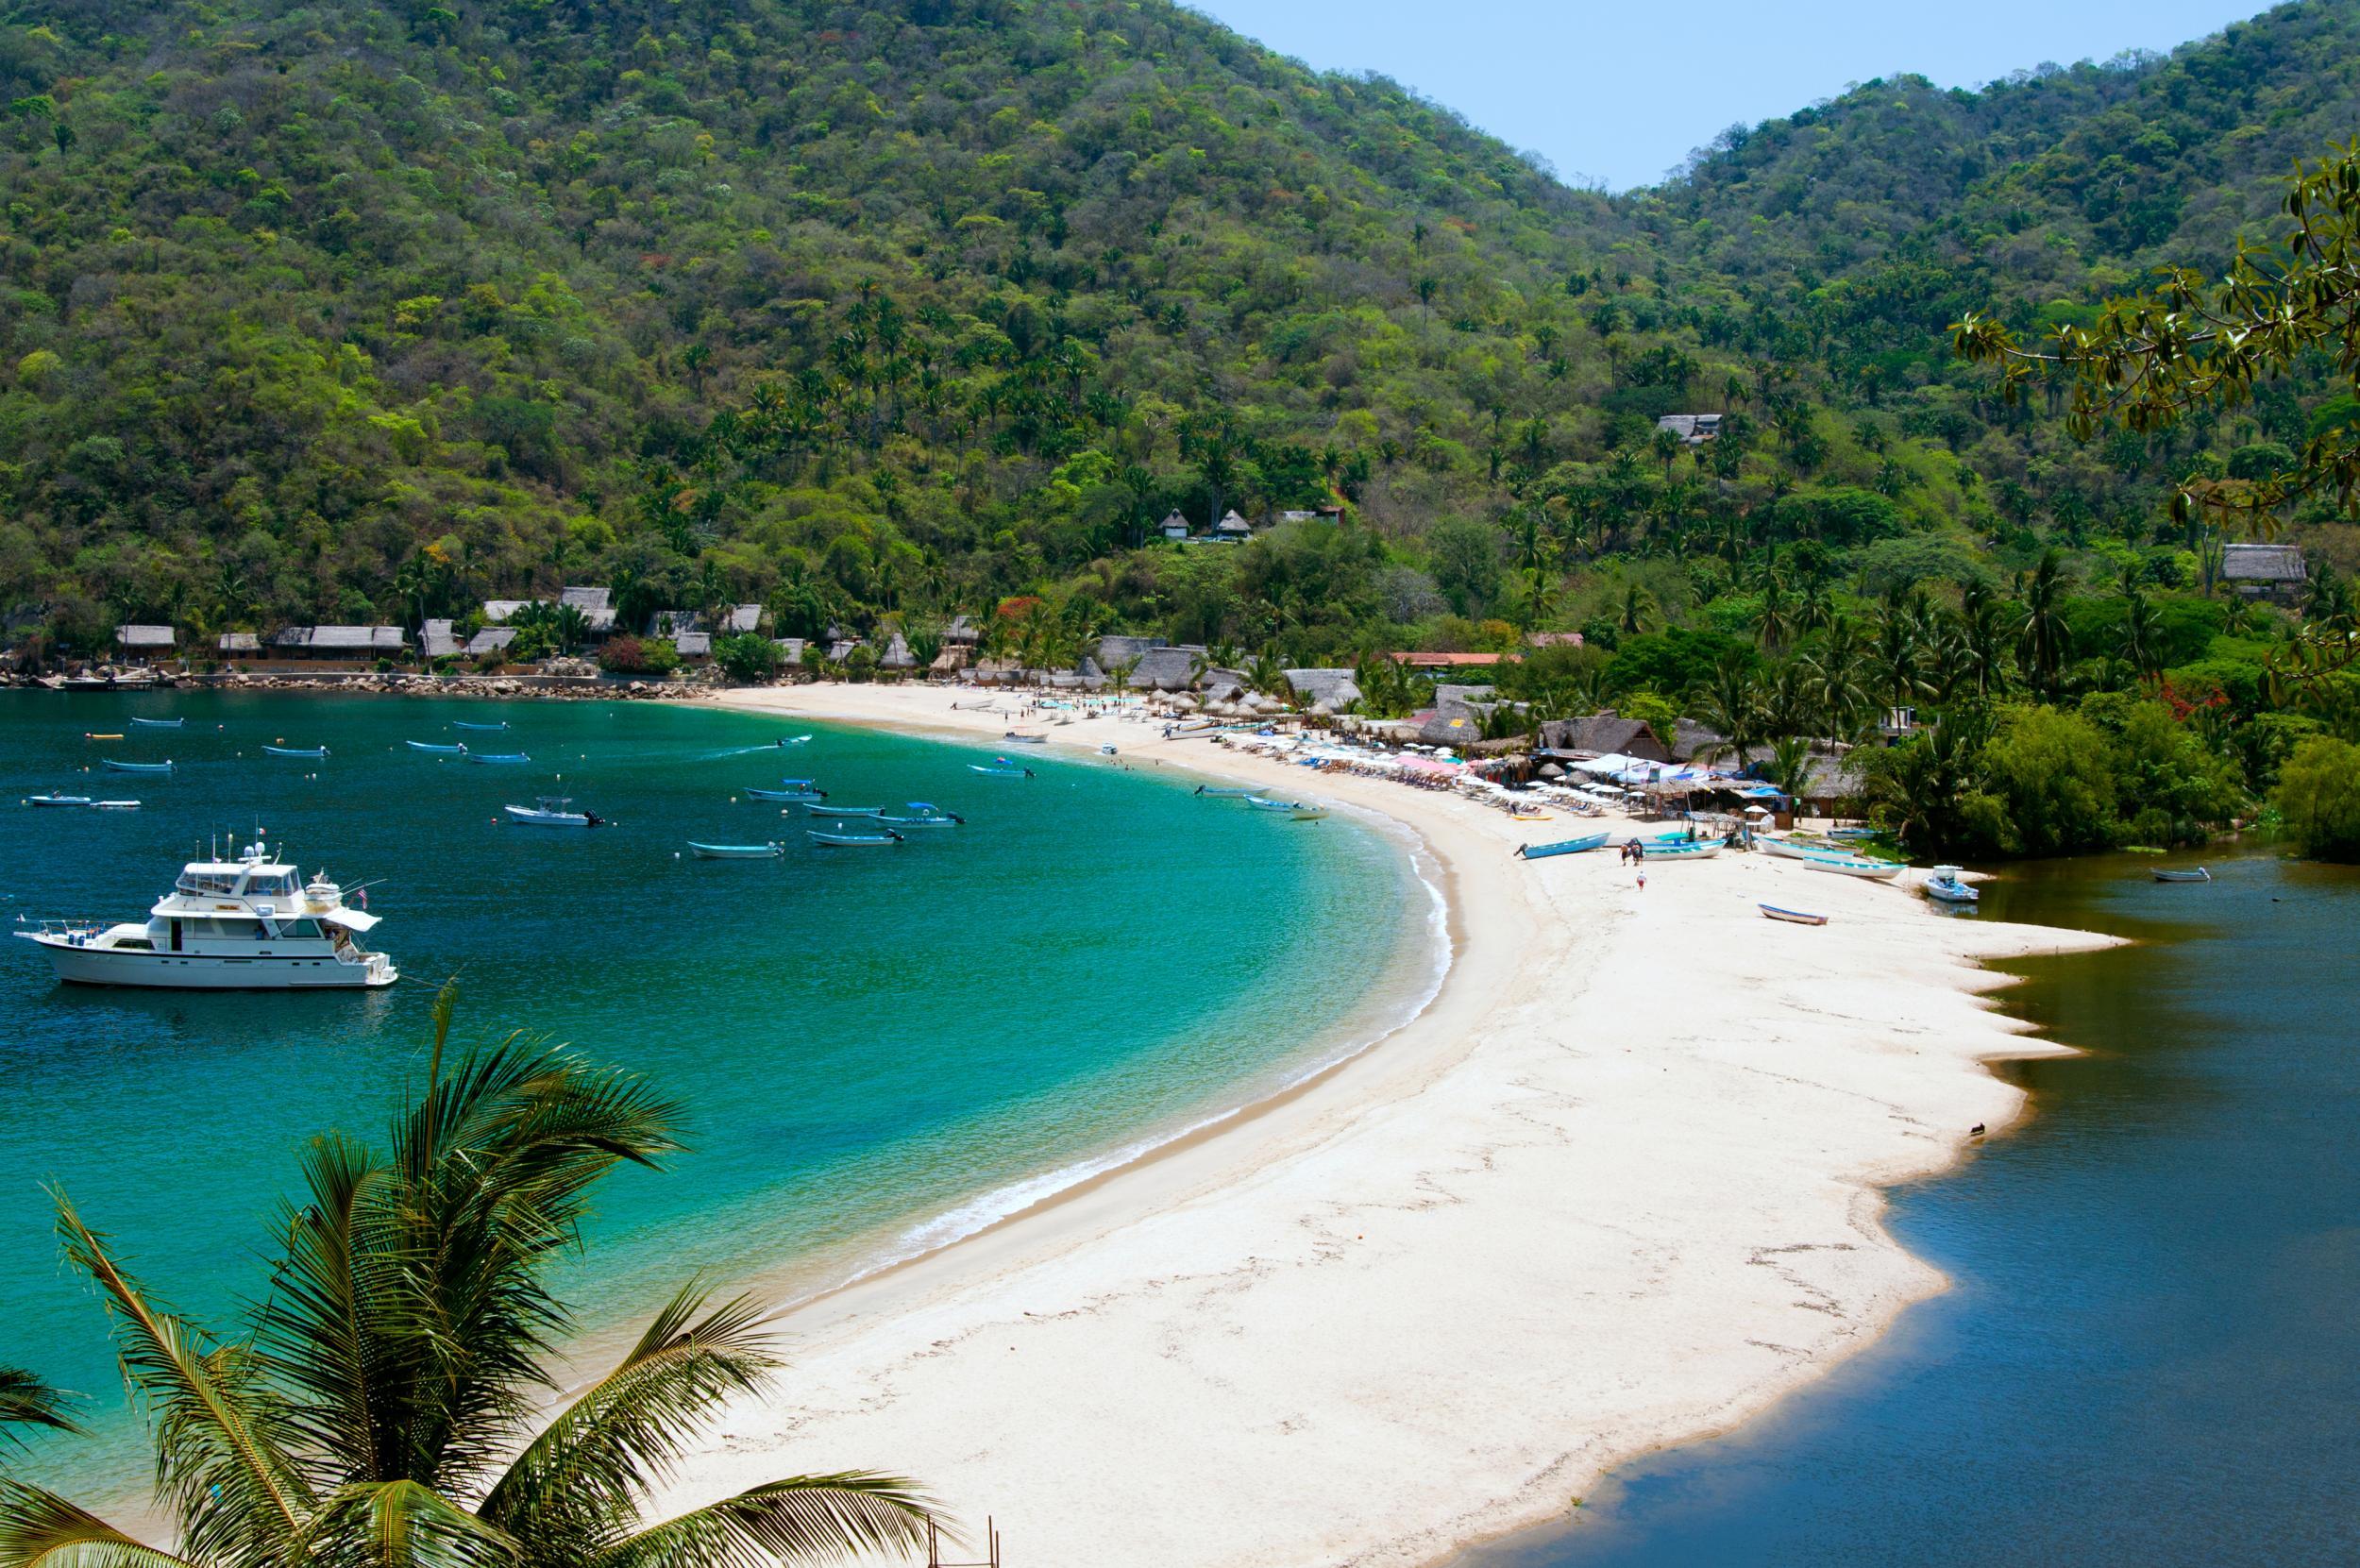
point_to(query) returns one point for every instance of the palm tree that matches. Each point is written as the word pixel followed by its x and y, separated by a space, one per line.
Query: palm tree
pixel 1981 634
pixel 383 1405
pixel 1268 676
pixel 1731 706
pixel 26 1401
pixel 1638 609
pixel 2142 636
pixel 2042 635
pixel 1776 621
pixel 1832 681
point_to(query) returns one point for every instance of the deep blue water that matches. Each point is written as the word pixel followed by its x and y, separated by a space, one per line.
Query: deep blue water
pixel 2151 1354
pixel 876 1049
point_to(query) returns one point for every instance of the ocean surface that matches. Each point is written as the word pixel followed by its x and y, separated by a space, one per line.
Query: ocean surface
pixel 2151 1355
pixel 878 1050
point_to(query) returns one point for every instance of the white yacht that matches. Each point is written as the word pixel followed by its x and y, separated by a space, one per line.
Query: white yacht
pixel 248 924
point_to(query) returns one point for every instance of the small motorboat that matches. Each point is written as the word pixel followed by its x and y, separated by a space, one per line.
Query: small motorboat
pixel 2196 874
pixel 114 805
pixel 1792 917
pixel 159 723
pixel 553 811
pixel 433 751
pixel 1681 849
pixel 854 840
pixel 112 766
pixel 59 801
pixel 1563 846
pixel 795 796
pixel 1107 751
pixel 313 751
pixel 796 740
pixel 497 756
pixel 462 724
pixel 1944 885
pixel 1001 769
pixel 924 816
pixel 737 851
pixel 1223 793
pixel 847 811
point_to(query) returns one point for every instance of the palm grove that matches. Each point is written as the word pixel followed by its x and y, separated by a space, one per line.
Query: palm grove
pixel 882 315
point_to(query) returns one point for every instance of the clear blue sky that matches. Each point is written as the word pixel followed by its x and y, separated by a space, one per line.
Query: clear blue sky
pixel 1622 92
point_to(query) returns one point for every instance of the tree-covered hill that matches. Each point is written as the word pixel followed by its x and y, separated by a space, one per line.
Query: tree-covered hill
pixel 361 312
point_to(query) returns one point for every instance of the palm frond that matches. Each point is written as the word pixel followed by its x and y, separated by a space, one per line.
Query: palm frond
pixel 803 1519
pixel 591 1466
pixel 220 1453
pixel 26 1401
pixel 41 1529
pixel 403 1524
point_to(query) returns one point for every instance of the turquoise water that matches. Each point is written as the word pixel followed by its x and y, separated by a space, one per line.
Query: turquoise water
pixel 878 1050
pixel 2151 1355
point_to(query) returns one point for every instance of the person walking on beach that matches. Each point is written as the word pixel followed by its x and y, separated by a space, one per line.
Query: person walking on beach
pixel 1642 876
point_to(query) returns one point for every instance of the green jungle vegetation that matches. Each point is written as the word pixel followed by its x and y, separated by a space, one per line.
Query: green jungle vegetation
pixel 878 314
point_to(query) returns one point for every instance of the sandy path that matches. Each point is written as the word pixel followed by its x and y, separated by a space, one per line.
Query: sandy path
pixel 1614 1189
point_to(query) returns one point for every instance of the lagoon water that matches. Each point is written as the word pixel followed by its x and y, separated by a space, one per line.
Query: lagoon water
pixel 2151 1355
pixel 878 1050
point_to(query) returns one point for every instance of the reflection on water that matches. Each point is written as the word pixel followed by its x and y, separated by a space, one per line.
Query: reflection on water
pixel 2151 1354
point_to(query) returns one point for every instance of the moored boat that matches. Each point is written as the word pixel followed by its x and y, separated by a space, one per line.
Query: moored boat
pixel 2196 874
pixel 251 924
pixel 462 724
pixel 1944 885
pixel 796 797
pixel 852 840
pixel 922 815
pixel 112 766
pixel 796 740
pixel 1223 793
pixel 1563 846
pixel 846 811
pixel 737 851
pixel 57 801
pixel 553 811
pixel 1001 769
pixel 497 756
pixel 114 805
pixel 159 723
pixel 432 750
pixel 294 751
pixel 1792 917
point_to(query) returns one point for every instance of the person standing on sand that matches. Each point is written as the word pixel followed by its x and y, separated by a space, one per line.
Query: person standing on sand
pixel 1642 876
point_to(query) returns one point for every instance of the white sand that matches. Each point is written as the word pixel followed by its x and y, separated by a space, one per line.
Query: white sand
pixel 1615 1189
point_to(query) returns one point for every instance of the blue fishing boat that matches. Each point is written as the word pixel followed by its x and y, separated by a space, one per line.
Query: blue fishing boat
pixel 795 796
pixel 113 767
pixel 315 752
pixel 433 751
pixel 462 724
pixel 1223 793
pixel 737 851
pixel 497 756
pixel 923 816
pixel 847 811
pixel 159 723
pixel 1563 846
pixel 1701 849
pixel 854 840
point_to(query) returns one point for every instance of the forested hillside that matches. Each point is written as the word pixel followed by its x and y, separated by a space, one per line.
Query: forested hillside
pixel 877 314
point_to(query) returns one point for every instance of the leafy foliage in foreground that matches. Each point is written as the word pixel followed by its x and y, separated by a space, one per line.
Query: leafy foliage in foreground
pixel 384 1404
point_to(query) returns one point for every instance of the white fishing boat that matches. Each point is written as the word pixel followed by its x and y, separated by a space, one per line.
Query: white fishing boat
pixel 488 757
pixel 1302 811
pixel 922 815
pixel 433 750
pixel 1944 885
pixel 852 840
pixel 112 766
pixel 2195 875
pixel 114 805
pixel 1792 917
pixel 294 751
pixel 57 801
pixel 488 729
pixel 159 724
pixel 248 924
pixel 553 811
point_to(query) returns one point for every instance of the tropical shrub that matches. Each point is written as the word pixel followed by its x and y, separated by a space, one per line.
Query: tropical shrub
pixel 2319 798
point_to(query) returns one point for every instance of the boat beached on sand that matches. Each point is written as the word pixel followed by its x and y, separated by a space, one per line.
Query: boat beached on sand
pixel 1792 917
pixel 1563 846
pixel 1944 885
pixel 248 924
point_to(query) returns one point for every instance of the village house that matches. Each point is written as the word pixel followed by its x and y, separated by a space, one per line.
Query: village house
pixel 139 643
pixel 1693 429
pixel 2274 572
pixel 439 639
pixel 239 644
pixel 339 642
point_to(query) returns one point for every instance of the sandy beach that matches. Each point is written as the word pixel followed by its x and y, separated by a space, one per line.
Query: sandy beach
pixel 1616 1187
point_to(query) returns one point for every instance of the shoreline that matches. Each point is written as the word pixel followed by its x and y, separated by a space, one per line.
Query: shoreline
pixel 1462 1378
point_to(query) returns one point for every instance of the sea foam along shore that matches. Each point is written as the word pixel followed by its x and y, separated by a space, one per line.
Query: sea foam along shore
pixel 1617 1187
